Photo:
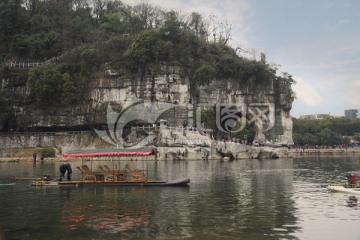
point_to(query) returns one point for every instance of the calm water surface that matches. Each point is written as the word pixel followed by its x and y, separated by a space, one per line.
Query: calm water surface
pixel 243 199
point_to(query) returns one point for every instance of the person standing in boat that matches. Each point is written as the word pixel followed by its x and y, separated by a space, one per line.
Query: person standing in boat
pixel 65 167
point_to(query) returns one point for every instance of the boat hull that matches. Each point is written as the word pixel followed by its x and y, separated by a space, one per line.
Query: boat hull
pixel 343 188
pixel 178 182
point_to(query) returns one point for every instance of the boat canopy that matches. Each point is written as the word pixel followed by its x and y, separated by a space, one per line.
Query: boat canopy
pixel 110 152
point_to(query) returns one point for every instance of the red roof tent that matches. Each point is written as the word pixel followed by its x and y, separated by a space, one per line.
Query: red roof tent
pixel 110 152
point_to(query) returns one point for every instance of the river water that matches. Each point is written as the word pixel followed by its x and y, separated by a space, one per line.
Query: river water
pixel 243 199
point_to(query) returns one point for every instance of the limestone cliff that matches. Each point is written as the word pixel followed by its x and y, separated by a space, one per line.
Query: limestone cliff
pixel 266 105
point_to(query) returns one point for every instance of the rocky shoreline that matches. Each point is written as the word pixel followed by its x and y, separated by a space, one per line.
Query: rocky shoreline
pixel 200 153
pixel 171 144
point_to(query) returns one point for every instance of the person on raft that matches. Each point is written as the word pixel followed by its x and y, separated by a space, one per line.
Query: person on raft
pixel 65 167
pixel 351 178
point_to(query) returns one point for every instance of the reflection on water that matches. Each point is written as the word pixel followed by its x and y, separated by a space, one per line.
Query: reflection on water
pixel 352 201
pixel 245 199
pixel 109 216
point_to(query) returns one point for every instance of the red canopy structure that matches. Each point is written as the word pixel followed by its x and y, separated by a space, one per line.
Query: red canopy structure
pixel 110 152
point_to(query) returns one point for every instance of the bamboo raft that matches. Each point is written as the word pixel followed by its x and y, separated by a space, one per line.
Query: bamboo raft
pixel 105 176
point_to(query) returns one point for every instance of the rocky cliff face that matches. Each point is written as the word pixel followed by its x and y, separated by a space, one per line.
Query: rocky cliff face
pixel 267 106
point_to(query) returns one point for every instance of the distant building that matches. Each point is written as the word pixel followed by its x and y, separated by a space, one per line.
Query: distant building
pixel 351 113
pixel 316 116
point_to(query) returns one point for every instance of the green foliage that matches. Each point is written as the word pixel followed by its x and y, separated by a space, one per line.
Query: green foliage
pixel 55 26
pixel 198 25
pixel 229 66
pixel 204 74
pixel 37 46
pixel 130 39
pixel 79 28
pixel 325 131
pixel 47 152
pixel 328 137
pixel 5 106
pixel 46 82
pixel 120 20
pixel 246 132
pixel 173 28
pixel 284 83
pixel 146 48
pixel 305 139
pixel 257 73
pixel 357 136
pixel 90 57
pixel 208 118
pixel 12 18
pixel 111 22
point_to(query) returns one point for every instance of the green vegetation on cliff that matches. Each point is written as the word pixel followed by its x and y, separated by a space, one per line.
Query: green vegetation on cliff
pixel 77 37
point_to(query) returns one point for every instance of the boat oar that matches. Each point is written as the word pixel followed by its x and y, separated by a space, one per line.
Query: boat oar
pixel 25 178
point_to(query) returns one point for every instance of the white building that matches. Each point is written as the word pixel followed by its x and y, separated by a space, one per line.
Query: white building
pixel 316 116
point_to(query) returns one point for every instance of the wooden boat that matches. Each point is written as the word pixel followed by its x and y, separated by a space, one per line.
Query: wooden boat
pixel 345 188
pixel 43 183
pixel 108 177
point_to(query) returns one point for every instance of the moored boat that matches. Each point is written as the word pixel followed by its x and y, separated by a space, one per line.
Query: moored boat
pixel 105 176
pixel 44 183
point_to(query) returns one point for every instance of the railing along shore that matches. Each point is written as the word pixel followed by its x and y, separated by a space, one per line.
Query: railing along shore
pixel 43 133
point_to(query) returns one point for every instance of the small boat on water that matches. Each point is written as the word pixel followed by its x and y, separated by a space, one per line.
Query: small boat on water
pixel 345 188
pixel 44 183
pixel 105 176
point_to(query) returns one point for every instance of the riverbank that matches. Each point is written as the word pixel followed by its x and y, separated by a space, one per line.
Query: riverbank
pixel 25 154
pixel 326 151
pixel 171 144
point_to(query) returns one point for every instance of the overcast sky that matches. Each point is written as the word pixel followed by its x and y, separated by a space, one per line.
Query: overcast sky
pixel 316 41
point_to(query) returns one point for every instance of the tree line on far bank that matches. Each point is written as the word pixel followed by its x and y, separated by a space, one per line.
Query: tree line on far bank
pixel 325 132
